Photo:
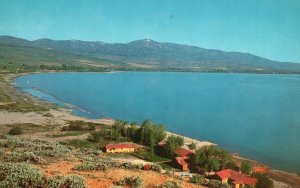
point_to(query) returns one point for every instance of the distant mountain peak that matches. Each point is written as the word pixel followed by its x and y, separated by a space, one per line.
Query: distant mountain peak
pixel 145 43
pixel 43 39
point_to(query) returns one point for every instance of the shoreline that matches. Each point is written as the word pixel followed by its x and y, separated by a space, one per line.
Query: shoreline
pixel 64 114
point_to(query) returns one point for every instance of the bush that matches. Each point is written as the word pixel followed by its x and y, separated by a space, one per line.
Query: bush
pixel 128 165
pixel 15 131
pixel 232 165
pixel 22 157
pixel 72 181
pixel 20 149
pixel 134 182
pixel 197 179
pixel 246 167
pixel 156 167
pixel 96 136
pixel 170 184
pixel 263 181
pixel 217 184
pixel 87 166
pixel 94 163
pixel 20 175
pixel 192 146
pixel 80 126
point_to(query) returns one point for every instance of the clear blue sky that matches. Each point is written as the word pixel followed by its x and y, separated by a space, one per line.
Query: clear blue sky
pixel 268 28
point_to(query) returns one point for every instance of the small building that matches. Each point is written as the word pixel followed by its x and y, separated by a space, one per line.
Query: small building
pixel 182 164
pixel 260 169
pixel 181 152
pixel 119 148
pixel 235 179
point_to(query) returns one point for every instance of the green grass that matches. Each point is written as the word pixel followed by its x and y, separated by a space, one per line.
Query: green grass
pixel 146 155
pixel 70 133
pixel 167 165
pixel 32 127
pixel 22 107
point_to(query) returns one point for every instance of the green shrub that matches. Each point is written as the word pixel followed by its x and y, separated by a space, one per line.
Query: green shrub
pixel 80 125
pixel 170 184
pixel 192 146
pixel 263 181
pixel 31 150
pixel 217 184
pixel 96 136
pixel 134 182
pixel 20 175
pixel 95 163
pixel 22 157
pixel 15 131
pixel 72 181
pixel 197 179
pixel 156 167
pixel 246 167
pixel 87 166
pixel 128 165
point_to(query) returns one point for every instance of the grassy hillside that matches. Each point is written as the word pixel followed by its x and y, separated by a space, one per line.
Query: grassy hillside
pixel 18 57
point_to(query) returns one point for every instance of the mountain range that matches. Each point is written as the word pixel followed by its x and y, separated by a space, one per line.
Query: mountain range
pixel 143 54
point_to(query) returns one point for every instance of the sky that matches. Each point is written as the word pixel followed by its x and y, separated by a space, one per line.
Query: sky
pixel 267 28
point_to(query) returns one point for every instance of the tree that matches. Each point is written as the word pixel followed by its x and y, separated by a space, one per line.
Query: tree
pixel 144 131
pixel 151 134
pixel 133 131
pixel 246 167
pixel 211 158
pixel 192 146
pixel 117 128
pixel 232 165
pixel 173 142
pixel 263 181
pixel 96 136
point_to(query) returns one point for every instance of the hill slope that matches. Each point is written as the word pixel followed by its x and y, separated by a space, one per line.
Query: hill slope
pixel 149 54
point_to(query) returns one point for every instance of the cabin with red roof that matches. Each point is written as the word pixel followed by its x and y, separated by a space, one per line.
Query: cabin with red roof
pixel 236 179
pixel 260 169
pixel 183 155
pixel 181 152
pixel 181 163
pixel 119 148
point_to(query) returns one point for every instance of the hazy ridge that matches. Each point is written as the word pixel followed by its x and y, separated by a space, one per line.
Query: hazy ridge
pixel 143 54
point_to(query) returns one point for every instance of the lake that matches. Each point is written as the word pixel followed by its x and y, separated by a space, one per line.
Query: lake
pixel 257 116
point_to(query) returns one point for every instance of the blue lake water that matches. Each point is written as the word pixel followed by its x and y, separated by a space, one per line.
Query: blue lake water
pixel 257 116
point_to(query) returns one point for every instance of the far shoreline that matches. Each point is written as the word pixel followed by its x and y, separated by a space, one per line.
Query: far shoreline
pixel 12 77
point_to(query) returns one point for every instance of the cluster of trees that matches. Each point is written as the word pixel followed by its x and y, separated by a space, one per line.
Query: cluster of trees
pixel 173 142
pixel 148 134
pixel 212 158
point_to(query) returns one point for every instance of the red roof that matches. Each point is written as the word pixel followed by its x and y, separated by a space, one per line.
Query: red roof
pixel 115 146
pixel 260 169
pixel 181 161
pixel 238 177
pixel 183 152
